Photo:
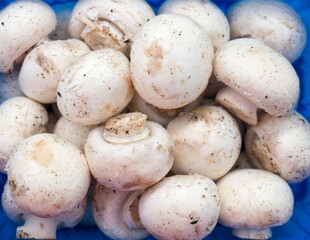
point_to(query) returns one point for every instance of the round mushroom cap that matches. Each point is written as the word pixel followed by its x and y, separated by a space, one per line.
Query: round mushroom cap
pixel 160 68
pixel 206 141
pixel 259 73
pixel 271 21
pixel 96 87
pixel 47 175
pixel 130 165
pixel 206 13
pixel 44 65
pixel 253 198
pixel 281 145
pixel 180 207
pixel 20 117
pixel 23 24
pixel 109 23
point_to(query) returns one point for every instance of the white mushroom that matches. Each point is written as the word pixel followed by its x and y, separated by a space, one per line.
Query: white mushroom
pixel 48 175
pixel 254 200
pixel 281 145
pixel 44 65
pixel 171 61
pixel 22 24
pixel 108 23
pixel 271 21
pixel 35 227
pixel 206 13
pixel 257 77
pixel 128 152
pixel 20 117
pixel 96 87
pixel 116 213
pixel 75 133
pixel 206 141
pixel 9 86
pixel 180 207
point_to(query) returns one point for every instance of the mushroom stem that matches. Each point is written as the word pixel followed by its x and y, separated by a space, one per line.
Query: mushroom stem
pixel 37 228
pixel 129 210
pixel 252 233
pixel 126 128
pixel 238 105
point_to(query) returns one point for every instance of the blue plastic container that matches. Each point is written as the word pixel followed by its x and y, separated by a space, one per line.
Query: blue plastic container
pixel 298 227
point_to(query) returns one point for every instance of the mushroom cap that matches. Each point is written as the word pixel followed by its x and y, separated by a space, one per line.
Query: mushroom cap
pixel 44 65
pixel 271 21
pixel 20 117
pixel 132 165
pixel 259 73
pixel 23 24
pixel 180 207
pixel 107 207
pixel 206 13
pixel 126 16
pixel 160 68
pixel 256 199
pixel 47 175
pixel 9 86
pixel 75 133
pixel 96 87
pixel 206 141
pixel 286 145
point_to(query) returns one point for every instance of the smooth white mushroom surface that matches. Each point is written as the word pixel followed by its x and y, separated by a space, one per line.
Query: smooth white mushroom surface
pixel 20 117
pixel 43 66
pixel 171 61
pixel 47 175
pixel 281 145
pixel 96 87
pixel 206 141
pixel 116 213
pixel 258 77
pixel 180 207
pixel 128 152
pixel 206 13
pixel 109 23
pixel 23 24
pixel 254 200
pixel 35 227
pixel 271 21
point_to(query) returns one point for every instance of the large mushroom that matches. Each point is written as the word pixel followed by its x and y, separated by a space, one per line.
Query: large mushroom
pixel 23 24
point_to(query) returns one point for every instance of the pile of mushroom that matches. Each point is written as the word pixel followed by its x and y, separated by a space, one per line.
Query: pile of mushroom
pixel 158 125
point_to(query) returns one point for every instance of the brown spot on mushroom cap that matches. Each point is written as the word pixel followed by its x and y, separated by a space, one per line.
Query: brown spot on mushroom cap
pixel 157 90
pixel 41 154
pixel 155 54
pixel 45 63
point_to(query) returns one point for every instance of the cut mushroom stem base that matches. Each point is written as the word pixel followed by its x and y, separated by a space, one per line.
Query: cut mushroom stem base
pixel 238 105
pixel 37 228
pixel 252 233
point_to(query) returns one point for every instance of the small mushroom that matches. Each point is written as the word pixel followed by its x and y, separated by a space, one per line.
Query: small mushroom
pixel 44 65
pixel 257 77
pixel 96 87
pixel 23 24
pixel 180 207
pixel 206 141
pixel 75 133
pixel 171 61
pixel 109 23
pixel 48 175
pixel 9 86
pixel 35 227
pixel 20 117
pixel 116 213
pixel 254 200
pixel 206 13
pixel 281 145
pixel 272 21
pixel 128 152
